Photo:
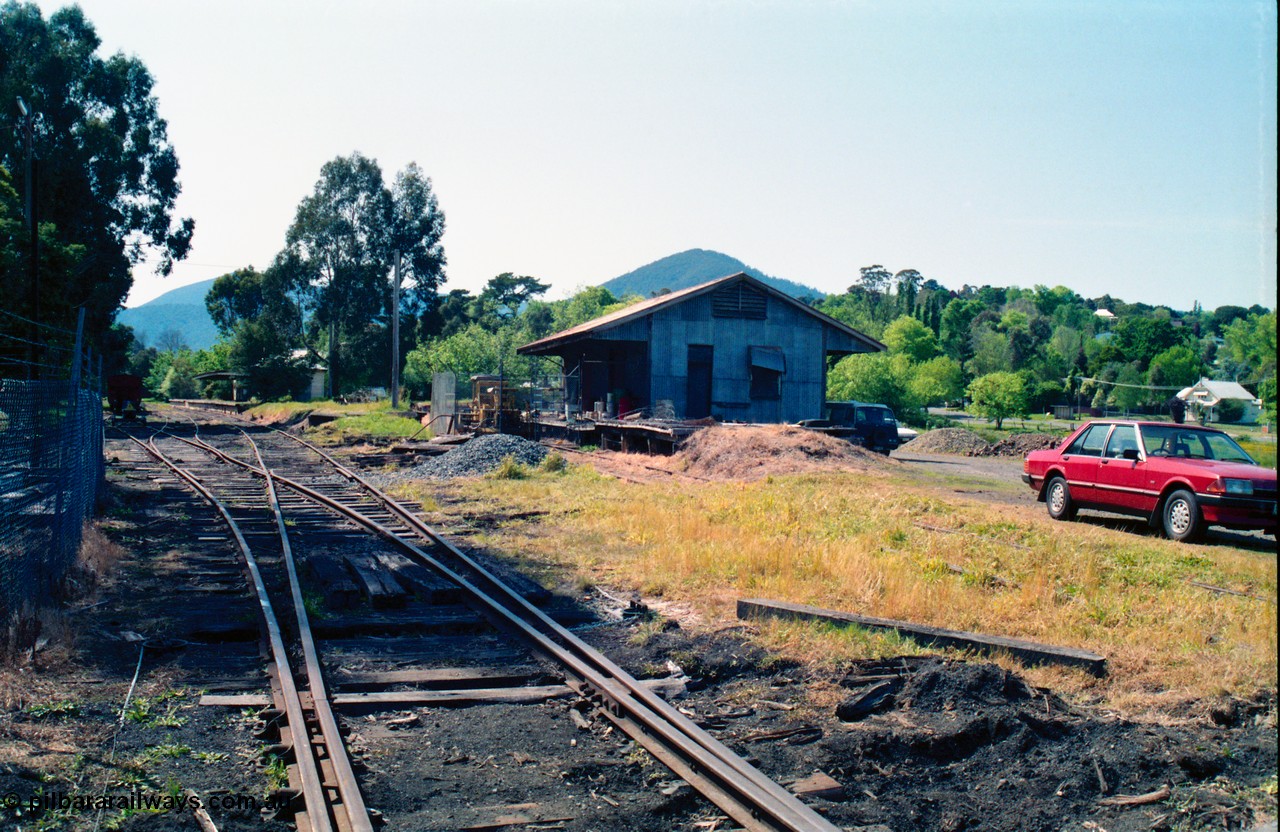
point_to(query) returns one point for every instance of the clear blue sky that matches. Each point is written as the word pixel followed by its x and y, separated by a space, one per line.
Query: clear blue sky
pixel 1112 147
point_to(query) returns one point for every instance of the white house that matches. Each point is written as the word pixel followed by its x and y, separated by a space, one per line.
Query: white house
pixel 1205 395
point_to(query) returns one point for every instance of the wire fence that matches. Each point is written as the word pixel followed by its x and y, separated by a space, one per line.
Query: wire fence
pixel 51 465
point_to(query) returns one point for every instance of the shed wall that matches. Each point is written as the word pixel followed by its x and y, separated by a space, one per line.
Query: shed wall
pixel 799 336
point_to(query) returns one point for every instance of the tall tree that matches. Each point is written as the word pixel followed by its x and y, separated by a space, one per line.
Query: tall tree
pixel 504 294
pixel 340 233
pixel 908 287
pixel 874 280
pixel 106 175
pixel 417 227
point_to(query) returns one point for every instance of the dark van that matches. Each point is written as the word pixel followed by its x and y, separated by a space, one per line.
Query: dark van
pixel 871 425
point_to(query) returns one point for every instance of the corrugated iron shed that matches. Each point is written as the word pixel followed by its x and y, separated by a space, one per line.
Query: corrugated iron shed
pixel 733 348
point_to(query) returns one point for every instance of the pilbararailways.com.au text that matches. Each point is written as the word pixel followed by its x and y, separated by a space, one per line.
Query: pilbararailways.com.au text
pixel 134 801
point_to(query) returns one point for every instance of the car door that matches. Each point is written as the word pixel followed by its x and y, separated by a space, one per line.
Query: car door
pixel 1121 481
pixel 1082 459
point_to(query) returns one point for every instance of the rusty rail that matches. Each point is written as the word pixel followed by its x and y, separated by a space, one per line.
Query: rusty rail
pixel 737 788
pixel 322 813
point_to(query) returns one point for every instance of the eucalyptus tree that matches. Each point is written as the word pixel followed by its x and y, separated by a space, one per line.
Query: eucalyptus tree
pixel 341 233
pixel 105 175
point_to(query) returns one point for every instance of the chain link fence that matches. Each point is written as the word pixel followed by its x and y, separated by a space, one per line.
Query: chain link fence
pixel 50 467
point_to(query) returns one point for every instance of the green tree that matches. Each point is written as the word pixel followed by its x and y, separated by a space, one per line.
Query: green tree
pixel 874 280
pixel 236 296
pixel 908 336
pixel 504 295
pixel 1251 342
pixel 107 177
pixel 937 380
pixel 417 230
pixel 876 377
pixel 583 306
pixel 1142 339
pixel 340 233
pixel 954 332
pixel 998 396
pixel 991 352
pixel 908 283
pixel 472 351
pixel 1175 367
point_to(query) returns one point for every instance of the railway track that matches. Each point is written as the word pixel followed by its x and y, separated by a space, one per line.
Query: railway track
pixel 272 489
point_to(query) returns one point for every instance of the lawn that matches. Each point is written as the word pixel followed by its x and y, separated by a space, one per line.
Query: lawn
pixel 356 423
pixel 885 544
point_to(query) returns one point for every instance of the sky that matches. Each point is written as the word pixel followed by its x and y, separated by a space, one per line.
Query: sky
pixel 1125 148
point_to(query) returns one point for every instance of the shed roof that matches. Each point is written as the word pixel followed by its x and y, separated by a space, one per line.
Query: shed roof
pixel 648 307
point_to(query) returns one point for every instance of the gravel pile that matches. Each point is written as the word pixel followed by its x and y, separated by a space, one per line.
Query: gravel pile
pixel 475 458
pixel 949 441
pixel 1019 444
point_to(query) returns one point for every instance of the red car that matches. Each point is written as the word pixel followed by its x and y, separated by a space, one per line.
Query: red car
pixel 1180 477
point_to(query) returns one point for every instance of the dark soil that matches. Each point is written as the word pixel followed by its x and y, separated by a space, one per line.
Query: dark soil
pixel 952 745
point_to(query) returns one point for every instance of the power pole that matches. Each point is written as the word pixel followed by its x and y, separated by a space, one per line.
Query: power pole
pixel 33 227
pixel 395 336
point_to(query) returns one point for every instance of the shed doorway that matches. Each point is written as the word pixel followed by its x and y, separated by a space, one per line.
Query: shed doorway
pixel 698 391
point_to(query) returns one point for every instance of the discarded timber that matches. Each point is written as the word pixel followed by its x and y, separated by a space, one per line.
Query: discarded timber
pixel 380 587
pixel 433 678
pixel 340 592
pixel 419 580
pixel 1030 652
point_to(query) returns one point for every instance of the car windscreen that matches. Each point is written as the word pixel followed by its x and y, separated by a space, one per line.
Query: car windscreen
pixel 1179 442
pixel 875 416
pixel 1090 442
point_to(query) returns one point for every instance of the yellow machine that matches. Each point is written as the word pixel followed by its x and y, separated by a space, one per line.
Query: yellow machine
pixel 495 403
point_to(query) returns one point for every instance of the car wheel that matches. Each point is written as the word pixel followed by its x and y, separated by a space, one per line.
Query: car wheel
pixel 1181 516
pixel 1057 498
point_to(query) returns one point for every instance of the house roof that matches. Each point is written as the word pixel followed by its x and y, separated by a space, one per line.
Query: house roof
pixel 1218 390
pixel 648 307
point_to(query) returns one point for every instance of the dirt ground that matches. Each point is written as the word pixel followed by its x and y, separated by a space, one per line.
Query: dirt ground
pixel 907 743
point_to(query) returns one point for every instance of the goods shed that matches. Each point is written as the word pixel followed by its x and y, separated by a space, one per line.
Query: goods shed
pixel 735 349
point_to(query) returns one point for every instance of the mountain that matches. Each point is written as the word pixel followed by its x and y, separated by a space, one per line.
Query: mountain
pixel 181 309
pixel 689 268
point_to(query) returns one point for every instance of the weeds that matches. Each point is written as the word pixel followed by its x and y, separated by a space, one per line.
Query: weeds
pixel 510 469
pixel 646 631
pixel 277 773
pixel 553 463
pixel 210 758
pixel 61 709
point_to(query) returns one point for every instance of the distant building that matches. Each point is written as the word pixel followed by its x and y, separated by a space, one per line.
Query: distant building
pixel 1205 396
pixel 1105 314
pixel 734 348
pixel 316 376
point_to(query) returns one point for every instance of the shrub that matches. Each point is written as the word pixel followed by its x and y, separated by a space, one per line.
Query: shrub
pixel 509 469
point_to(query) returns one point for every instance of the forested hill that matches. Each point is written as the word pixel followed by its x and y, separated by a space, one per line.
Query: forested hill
pixel 181 310
pixel 689 268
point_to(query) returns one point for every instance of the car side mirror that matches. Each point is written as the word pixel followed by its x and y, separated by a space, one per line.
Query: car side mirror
pixel 1130 453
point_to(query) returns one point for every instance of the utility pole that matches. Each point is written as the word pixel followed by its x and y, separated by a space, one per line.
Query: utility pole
pixel 395 336
pixel 33 227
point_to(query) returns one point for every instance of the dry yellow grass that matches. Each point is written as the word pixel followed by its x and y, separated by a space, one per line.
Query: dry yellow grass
pixel 855 542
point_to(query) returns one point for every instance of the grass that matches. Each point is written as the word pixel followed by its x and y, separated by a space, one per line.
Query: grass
pixel 1261 449
pixel 381 425
pixel 855 542
pixel 357 422
pixel 286 411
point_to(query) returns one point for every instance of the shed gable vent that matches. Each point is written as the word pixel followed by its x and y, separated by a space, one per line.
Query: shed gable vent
pixel 739 301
